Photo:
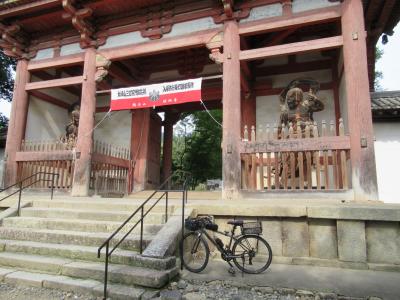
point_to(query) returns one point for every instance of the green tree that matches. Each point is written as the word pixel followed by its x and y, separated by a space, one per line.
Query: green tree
pixel 7 70
pixel 3 121
pixel 199 150
pixel 378 74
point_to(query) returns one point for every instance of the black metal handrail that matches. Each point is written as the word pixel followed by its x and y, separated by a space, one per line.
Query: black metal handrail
pixel 21 186
pixel 143 214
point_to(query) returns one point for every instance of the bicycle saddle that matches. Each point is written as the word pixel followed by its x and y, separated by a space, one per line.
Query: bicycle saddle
pixel 236 222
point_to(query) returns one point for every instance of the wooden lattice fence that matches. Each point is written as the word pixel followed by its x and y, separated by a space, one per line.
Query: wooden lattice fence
pixel 295 158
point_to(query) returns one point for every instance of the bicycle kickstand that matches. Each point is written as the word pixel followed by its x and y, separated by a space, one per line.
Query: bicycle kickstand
pixel 231 269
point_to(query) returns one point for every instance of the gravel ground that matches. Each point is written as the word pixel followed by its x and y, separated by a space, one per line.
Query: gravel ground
pixel 10 292
pixel 228 290
pixel 183 290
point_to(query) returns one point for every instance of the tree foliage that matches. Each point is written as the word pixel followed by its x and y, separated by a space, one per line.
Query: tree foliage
pixel 7 68
pixel 378 74
pixel 197 145
pixel 3 121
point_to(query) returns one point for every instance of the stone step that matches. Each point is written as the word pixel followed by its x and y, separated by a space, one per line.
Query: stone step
pixel 132 242
pixel 115 216
pixel 87 253
pixel 76 225
pixel 99 204
pixel 69 284
pixel 120 274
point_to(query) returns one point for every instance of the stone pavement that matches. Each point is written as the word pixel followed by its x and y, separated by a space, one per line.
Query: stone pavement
pixel 352 283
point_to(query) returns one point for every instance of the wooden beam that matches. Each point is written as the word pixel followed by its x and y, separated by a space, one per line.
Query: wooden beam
pixel 307 144
pixel 43 75
pixel 54 83
pixel 293 48
pixel 120 75
pixel 294 68
pixel 40 156
pixel 198 39
pixel 319 16
pixel 56 62
pixel 115 161
pixel 24 9
pixel 49 99
pixel 278 38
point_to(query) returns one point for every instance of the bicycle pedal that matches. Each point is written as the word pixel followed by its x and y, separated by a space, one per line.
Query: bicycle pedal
pixel 232 271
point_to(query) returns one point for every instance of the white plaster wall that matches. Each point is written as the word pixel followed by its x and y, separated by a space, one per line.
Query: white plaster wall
pixel 263 12
pixel 1 167
pixel 123 40
pixel 45 121
pixel 44 53
pixel 304 5
pixel 387 149
pixel 343 102
pixel 115 130
pixel 70 49
pixel 192 26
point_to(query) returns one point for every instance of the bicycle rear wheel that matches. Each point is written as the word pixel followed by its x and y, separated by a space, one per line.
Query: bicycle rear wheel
pixel 255 254
pixel 195 252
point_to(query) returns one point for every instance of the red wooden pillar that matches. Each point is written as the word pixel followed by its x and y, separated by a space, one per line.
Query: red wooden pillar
pixel 231 166
pixel 84 144
pixel 248 107
pixel 167 148
pixel 17 124
pixel 358 101
pixel 140 133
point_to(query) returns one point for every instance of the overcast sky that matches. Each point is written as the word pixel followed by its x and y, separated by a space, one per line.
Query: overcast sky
pixel 389 65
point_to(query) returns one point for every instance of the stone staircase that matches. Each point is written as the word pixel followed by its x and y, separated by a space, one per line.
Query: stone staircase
pixel 54 244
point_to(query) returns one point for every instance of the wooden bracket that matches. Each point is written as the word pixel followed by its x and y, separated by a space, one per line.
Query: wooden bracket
pixel 12 41
pixel 158 21
pixel 102 66
pixel 214 45
pixel 229 12
pixel 79 19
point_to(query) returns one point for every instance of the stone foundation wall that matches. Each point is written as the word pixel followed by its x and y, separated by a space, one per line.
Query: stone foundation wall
pixel 349 237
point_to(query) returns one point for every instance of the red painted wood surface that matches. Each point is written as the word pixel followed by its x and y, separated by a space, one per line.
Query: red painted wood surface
pixel 231 110
pixel 358 101
pixel 18 117
pixel 86 124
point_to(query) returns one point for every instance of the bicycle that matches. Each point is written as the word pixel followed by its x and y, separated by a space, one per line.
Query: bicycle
pixel 249 251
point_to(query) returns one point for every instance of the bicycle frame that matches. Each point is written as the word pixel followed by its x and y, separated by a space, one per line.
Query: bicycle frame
pixel 225 254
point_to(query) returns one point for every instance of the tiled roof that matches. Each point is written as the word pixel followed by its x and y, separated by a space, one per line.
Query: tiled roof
pixel 385 106
pixel 385 100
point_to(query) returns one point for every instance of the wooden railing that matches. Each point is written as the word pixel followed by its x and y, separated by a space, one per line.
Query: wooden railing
pixel 48 157
pixel 288 158
pixel 111 169
pixel 110 172
pixel 43 145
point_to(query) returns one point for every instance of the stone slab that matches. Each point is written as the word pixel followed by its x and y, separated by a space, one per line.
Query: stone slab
pixel 164 243
pixel 69 284
pixel 272 233
pixel 4 272
pixel 27 278
pixel 323 238
pixel 355 211
pixel 351 241
pixel 32 262
pixel 383 242
pixel 384 267
pixel 119 292
pixel 295 238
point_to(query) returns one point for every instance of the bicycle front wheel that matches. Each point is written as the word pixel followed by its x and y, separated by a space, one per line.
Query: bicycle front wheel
pixel 254 254
pixel 195 252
